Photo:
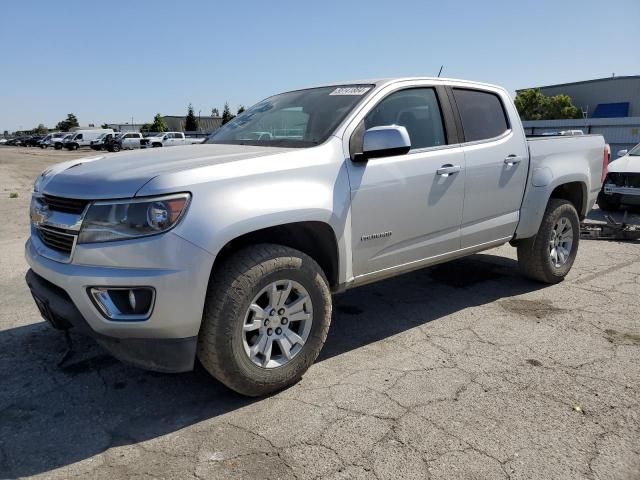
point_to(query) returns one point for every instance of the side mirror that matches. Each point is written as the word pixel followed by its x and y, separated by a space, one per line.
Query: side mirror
pixel 384 141
pixel 622 153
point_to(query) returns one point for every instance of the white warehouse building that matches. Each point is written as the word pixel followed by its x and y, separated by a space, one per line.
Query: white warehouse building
pixel 610 106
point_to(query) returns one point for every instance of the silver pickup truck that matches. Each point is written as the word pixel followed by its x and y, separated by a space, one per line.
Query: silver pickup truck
pixel 230 251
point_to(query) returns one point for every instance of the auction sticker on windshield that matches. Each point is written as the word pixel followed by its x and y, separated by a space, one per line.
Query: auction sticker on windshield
pixel 350 91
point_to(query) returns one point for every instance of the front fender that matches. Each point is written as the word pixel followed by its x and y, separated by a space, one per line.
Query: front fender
pixel 309 185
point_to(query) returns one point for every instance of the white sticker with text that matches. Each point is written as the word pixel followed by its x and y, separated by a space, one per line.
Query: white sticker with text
pixel 350 91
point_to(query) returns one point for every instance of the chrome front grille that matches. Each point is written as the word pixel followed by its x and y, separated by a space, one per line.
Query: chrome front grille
pixel 66 205
pixel 57 239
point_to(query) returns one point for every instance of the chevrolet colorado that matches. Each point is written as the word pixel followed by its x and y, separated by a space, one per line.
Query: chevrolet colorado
pixel 230 251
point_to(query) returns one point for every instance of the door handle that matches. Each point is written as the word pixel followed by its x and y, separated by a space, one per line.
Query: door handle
pixel 512 160
pixel 448 169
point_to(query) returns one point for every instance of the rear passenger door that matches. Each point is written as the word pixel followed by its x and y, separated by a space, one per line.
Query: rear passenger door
pixel 496 159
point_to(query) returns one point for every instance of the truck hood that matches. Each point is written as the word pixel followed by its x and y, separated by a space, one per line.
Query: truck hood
pixel 121 175
pixel 626 164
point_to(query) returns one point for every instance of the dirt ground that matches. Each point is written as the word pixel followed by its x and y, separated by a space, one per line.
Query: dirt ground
pixel 464 370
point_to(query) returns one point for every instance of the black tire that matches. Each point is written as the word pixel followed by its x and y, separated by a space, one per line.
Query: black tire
pixel 156 145
pixel 609 203
pixel 58 146
pixel 73 146
pixel 534 257
pixel 232 288
pixel 115 147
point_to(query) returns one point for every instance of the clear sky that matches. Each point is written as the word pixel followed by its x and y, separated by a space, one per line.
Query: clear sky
pixel 110 61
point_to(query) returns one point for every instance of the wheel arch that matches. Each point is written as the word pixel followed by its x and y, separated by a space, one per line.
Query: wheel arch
pixel 315 238
pixel 574 192
pixel 573 188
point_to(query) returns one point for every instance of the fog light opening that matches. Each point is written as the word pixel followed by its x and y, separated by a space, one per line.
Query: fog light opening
pixel 124 303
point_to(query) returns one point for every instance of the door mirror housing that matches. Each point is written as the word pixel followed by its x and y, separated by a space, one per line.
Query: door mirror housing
pixel 622 153
pixel 384 141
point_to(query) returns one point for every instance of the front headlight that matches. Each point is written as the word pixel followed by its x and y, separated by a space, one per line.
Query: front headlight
pixel 125 219
pixel 40 179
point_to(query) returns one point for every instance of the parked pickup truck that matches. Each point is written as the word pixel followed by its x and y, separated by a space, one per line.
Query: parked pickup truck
pixel 124 141
pixel 622 185
pixel 170 139
pixel 230 251
pixel 100 142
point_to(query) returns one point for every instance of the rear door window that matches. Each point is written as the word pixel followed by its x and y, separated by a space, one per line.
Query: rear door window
pixel 482 114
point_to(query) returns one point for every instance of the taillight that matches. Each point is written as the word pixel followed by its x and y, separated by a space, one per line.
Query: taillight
pixel 605 162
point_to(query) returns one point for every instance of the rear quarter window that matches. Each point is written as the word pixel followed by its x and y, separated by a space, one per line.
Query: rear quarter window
pixel 482 114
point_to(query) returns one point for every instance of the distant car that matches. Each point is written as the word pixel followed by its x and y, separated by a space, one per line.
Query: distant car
pixel 100 142
pixel 51 139
pixel 33 141
pixel 58 142
pixel 125 141
pixel 170 139
pixel 622 185
pixel 83 138
pixel 3 141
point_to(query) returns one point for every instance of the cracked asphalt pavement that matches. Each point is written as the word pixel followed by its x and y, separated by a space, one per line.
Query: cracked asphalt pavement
pixel 463 370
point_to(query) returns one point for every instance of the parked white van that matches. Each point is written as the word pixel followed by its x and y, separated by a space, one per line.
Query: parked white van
pixel 83 138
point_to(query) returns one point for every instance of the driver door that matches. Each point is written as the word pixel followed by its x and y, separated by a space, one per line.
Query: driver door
pixel 407 208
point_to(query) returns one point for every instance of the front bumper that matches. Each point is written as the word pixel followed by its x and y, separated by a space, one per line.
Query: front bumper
pixel 176 269
pixel 611 189
pixel 628 195
pixel 169 355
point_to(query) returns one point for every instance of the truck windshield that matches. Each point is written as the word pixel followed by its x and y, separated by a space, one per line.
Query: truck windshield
pixel 301 118
pixel 635 152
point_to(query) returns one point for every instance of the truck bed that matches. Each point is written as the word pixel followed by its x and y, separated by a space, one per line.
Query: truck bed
pixel 560 160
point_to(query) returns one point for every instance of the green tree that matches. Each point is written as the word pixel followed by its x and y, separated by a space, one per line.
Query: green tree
pixel 190 122
pixel 532 104
pixel 215 112
pixel 67 124
pixel 40 129
pixel 241 109
pixel 561 107
pixel 227 116
pixel 105 125
pixel 159 125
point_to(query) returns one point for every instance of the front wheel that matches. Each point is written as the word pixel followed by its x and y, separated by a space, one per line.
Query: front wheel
pixel 266 317
pixel 115 147
pixel 549 255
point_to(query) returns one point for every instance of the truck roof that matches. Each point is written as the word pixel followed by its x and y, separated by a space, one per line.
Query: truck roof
pixel 384 81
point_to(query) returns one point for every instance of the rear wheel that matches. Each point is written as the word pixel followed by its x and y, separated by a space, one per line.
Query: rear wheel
pixel 115 147
pixel 549 255
pixel 58 146
pixel 266 318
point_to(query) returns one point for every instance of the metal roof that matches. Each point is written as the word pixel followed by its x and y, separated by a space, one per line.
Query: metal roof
pixel 582 82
